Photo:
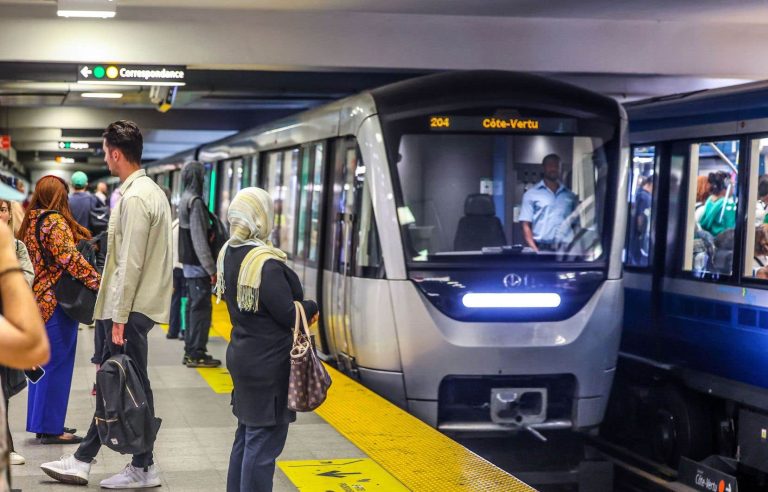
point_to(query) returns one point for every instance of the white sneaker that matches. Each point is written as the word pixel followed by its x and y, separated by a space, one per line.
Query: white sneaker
pixel 17 459
pixel 133 478
pixel 68 470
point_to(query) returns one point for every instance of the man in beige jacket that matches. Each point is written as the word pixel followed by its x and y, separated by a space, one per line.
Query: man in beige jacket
pixel 135 292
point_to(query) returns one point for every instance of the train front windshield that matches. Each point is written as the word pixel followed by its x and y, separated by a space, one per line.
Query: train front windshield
pixel 504 191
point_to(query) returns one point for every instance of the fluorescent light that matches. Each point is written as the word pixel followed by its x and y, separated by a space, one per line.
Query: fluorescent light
pixel 102 95
pixel 102 14
pixel 516 300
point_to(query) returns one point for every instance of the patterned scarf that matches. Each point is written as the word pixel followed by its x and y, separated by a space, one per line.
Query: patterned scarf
pixel 251 218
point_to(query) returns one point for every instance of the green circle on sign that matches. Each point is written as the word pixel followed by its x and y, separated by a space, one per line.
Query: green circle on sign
pixel 98 72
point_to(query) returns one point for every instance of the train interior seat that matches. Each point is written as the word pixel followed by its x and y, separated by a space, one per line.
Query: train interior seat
pixel 479 227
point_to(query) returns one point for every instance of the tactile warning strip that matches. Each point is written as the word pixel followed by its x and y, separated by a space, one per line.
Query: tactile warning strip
pixel 418 455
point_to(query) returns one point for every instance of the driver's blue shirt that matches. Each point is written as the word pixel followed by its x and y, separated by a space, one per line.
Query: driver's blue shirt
pixel 547 212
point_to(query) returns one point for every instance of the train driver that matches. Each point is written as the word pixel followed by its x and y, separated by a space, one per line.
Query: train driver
pixel 546 210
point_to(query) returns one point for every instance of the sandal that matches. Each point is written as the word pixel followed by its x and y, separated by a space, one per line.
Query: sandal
pixel 50 439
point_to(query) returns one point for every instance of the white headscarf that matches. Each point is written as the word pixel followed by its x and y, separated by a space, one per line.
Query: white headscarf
pixel 251 218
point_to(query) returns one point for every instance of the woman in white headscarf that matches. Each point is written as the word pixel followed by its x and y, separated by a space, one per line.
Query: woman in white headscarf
pixel 259 289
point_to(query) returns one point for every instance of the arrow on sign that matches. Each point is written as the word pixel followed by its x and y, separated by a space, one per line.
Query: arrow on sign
pixel 336 474
pixel 85 72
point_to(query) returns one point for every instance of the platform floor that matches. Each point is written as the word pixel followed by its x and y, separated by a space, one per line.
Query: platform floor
pixel 356 441
pixel 193 447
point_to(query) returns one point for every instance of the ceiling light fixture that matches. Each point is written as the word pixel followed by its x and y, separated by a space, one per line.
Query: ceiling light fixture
pixel 104 9
pixel 102 95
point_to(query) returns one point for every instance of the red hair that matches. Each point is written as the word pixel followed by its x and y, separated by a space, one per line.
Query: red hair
pixel 51 194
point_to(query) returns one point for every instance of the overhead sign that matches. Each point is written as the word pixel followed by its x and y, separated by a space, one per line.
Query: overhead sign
pixel 131 74
pixel 340 475
pixel 74 145
pixel 5 142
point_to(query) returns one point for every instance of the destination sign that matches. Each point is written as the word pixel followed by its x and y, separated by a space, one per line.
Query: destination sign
pixel 514 124
pixel 106 73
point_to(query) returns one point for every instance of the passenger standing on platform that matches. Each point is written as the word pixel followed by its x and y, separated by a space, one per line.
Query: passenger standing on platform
pixel 639 245
pixel 101 192
pixel 23 342
pixel 259 290
pixel 179 288
pixel 545 209
pixel 52 253
pixel 198 265
pixel 8 376
pixel 135 293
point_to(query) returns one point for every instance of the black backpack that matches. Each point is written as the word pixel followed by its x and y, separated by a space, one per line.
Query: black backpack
pixel 217 231
pixel 77 300
pixel 124 418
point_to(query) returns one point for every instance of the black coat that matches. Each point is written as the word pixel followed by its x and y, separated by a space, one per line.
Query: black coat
pixel 258 355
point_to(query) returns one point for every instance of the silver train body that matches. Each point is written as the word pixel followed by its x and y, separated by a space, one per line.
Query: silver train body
pixel 390 315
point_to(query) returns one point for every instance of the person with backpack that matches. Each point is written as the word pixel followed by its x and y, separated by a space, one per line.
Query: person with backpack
pixel 135 295
pixel 51 235
pixel 198 264
pixel 86 208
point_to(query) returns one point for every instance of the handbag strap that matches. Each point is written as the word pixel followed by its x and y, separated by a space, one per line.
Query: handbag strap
pixel 300 344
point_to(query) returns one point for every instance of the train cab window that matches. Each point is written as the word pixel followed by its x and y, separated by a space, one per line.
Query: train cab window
pixel 468 194
pixel 756 244
pixel 368 261
pixel 713 196
pixel 639 224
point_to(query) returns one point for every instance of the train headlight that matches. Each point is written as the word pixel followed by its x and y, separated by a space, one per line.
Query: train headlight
pixel 511 300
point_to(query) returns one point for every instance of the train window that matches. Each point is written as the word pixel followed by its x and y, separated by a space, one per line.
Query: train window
pixel 288 190
pixel 254 171
pixel 368 261
pixel 712 202
pixel 282 170
pixel 309 202
pixel 225 188
pixel 756 244
pixel 465 194
pixel 639 225
pixel 315 204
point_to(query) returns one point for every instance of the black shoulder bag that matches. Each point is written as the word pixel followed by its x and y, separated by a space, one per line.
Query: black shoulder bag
pixel 77 300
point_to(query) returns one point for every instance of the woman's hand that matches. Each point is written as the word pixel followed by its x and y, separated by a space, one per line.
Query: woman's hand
pixel 314 318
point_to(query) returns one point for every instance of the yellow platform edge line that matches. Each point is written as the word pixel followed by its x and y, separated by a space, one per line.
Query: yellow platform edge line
pixel 419 456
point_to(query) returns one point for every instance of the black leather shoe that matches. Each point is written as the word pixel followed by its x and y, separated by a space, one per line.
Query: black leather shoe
pixel 49 439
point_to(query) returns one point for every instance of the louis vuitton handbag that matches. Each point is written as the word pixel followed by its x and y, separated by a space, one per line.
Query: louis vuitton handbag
pixel 309 381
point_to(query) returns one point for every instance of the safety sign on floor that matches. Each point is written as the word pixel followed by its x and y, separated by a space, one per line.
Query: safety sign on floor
pixel 340 475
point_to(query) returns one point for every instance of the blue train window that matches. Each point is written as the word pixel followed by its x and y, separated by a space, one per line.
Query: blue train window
pixel 640 220
pixel 756 244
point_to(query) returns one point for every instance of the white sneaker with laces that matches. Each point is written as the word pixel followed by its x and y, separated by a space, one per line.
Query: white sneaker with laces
pixel 17 459
pixel 68 470
pixel 133 478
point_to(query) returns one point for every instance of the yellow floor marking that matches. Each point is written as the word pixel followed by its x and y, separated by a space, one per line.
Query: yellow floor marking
pixel 342 475
pixel 218 379
pixel 419 456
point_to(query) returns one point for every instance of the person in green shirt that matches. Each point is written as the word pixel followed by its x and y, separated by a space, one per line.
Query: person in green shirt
pixel 720 209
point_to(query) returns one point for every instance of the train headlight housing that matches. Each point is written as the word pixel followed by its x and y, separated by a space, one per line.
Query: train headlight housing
pixel 511 300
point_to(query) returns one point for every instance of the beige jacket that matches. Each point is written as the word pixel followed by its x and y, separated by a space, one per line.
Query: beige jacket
pixel 138 268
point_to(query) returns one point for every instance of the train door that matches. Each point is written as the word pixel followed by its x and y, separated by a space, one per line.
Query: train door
pixel 639 252
pixel 336 286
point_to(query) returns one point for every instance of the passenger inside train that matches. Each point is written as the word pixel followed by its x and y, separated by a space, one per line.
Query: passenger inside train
pixel 512 194
pixel 712 213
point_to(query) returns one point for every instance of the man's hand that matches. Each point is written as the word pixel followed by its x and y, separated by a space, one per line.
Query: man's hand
pixel 213 279
pixel 118 330
pixel 314 318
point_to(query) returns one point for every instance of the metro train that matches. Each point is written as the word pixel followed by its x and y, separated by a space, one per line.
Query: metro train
pixel 693 371
pixel 398 208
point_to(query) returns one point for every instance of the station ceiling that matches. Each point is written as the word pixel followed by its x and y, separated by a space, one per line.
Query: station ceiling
pixel 252 61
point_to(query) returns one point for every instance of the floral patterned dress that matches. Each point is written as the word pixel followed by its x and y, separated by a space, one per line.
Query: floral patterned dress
pixel 57 238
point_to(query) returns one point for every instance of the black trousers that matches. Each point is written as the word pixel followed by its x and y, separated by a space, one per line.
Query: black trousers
pixel 136 348
pixel 198 316
pixel 101 334
pixel 179 291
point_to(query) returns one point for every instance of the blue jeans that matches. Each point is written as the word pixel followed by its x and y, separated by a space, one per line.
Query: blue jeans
pixel 252 462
